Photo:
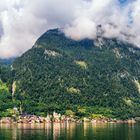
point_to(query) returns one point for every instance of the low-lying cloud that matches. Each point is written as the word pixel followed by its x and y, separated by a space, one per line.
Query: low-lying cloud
pixel 23 21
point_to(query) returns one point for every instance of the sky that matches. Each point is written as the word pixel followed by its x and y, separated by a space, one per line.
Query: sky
pixel 22 22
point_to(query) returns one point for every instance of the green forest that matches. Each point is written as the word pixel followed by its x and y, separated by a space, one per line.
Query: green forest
pixel 86 78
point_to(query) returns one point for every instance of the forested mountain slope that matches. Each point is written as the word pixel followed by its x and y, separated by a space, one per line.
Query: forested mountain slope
pixel 88 77
pixel 6 78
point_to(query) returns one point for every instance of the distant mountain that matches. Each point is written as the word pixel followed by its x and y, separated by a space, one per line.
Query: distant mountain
pixel 6 61
pixel 5 70
pixel 87 77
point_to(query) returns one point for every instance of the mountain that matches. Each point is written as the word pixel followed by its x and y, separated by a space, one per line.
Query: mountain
pixel 84 77
pixel 5 70
pixel 6 61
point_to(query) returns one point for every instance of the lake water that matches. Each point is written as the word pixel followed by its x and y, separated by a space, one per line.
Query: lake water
pixel 70 131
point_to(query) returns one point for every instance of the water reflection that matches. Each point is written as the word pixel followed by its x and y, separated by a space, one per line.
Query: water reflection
pixel 69 131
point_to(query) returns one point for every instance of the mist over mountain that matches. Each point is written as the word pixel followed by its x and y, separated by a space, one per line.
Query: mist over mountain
pixel 22 22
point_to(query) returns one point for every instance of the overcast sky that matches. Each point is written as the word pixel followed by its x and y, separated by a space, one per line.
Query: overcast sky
pixel 23 21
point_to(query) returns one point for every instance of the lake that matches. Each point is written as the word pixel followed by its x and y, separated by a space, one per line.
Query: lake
pixel 70 131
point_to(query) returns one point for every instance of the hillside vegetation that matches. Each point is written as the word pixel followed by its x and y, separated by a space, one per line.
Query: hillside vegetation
pixel 86 78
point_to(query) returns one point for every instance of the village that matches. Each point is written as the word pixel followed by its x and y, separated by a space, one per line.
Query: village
pixel 58 118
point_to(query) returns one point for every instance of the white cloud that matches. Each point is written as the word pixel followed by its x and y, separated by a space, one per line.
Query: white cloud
pixel 81 28
pixel 23 21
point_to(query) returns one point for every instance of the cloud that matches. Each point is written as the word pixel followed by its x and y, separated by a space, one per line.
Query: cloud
pixel 119 19
pixel 23 21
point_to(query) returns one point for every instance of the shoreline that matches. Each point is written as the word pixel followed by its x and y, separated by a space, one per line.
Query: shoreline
pixel 32 119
